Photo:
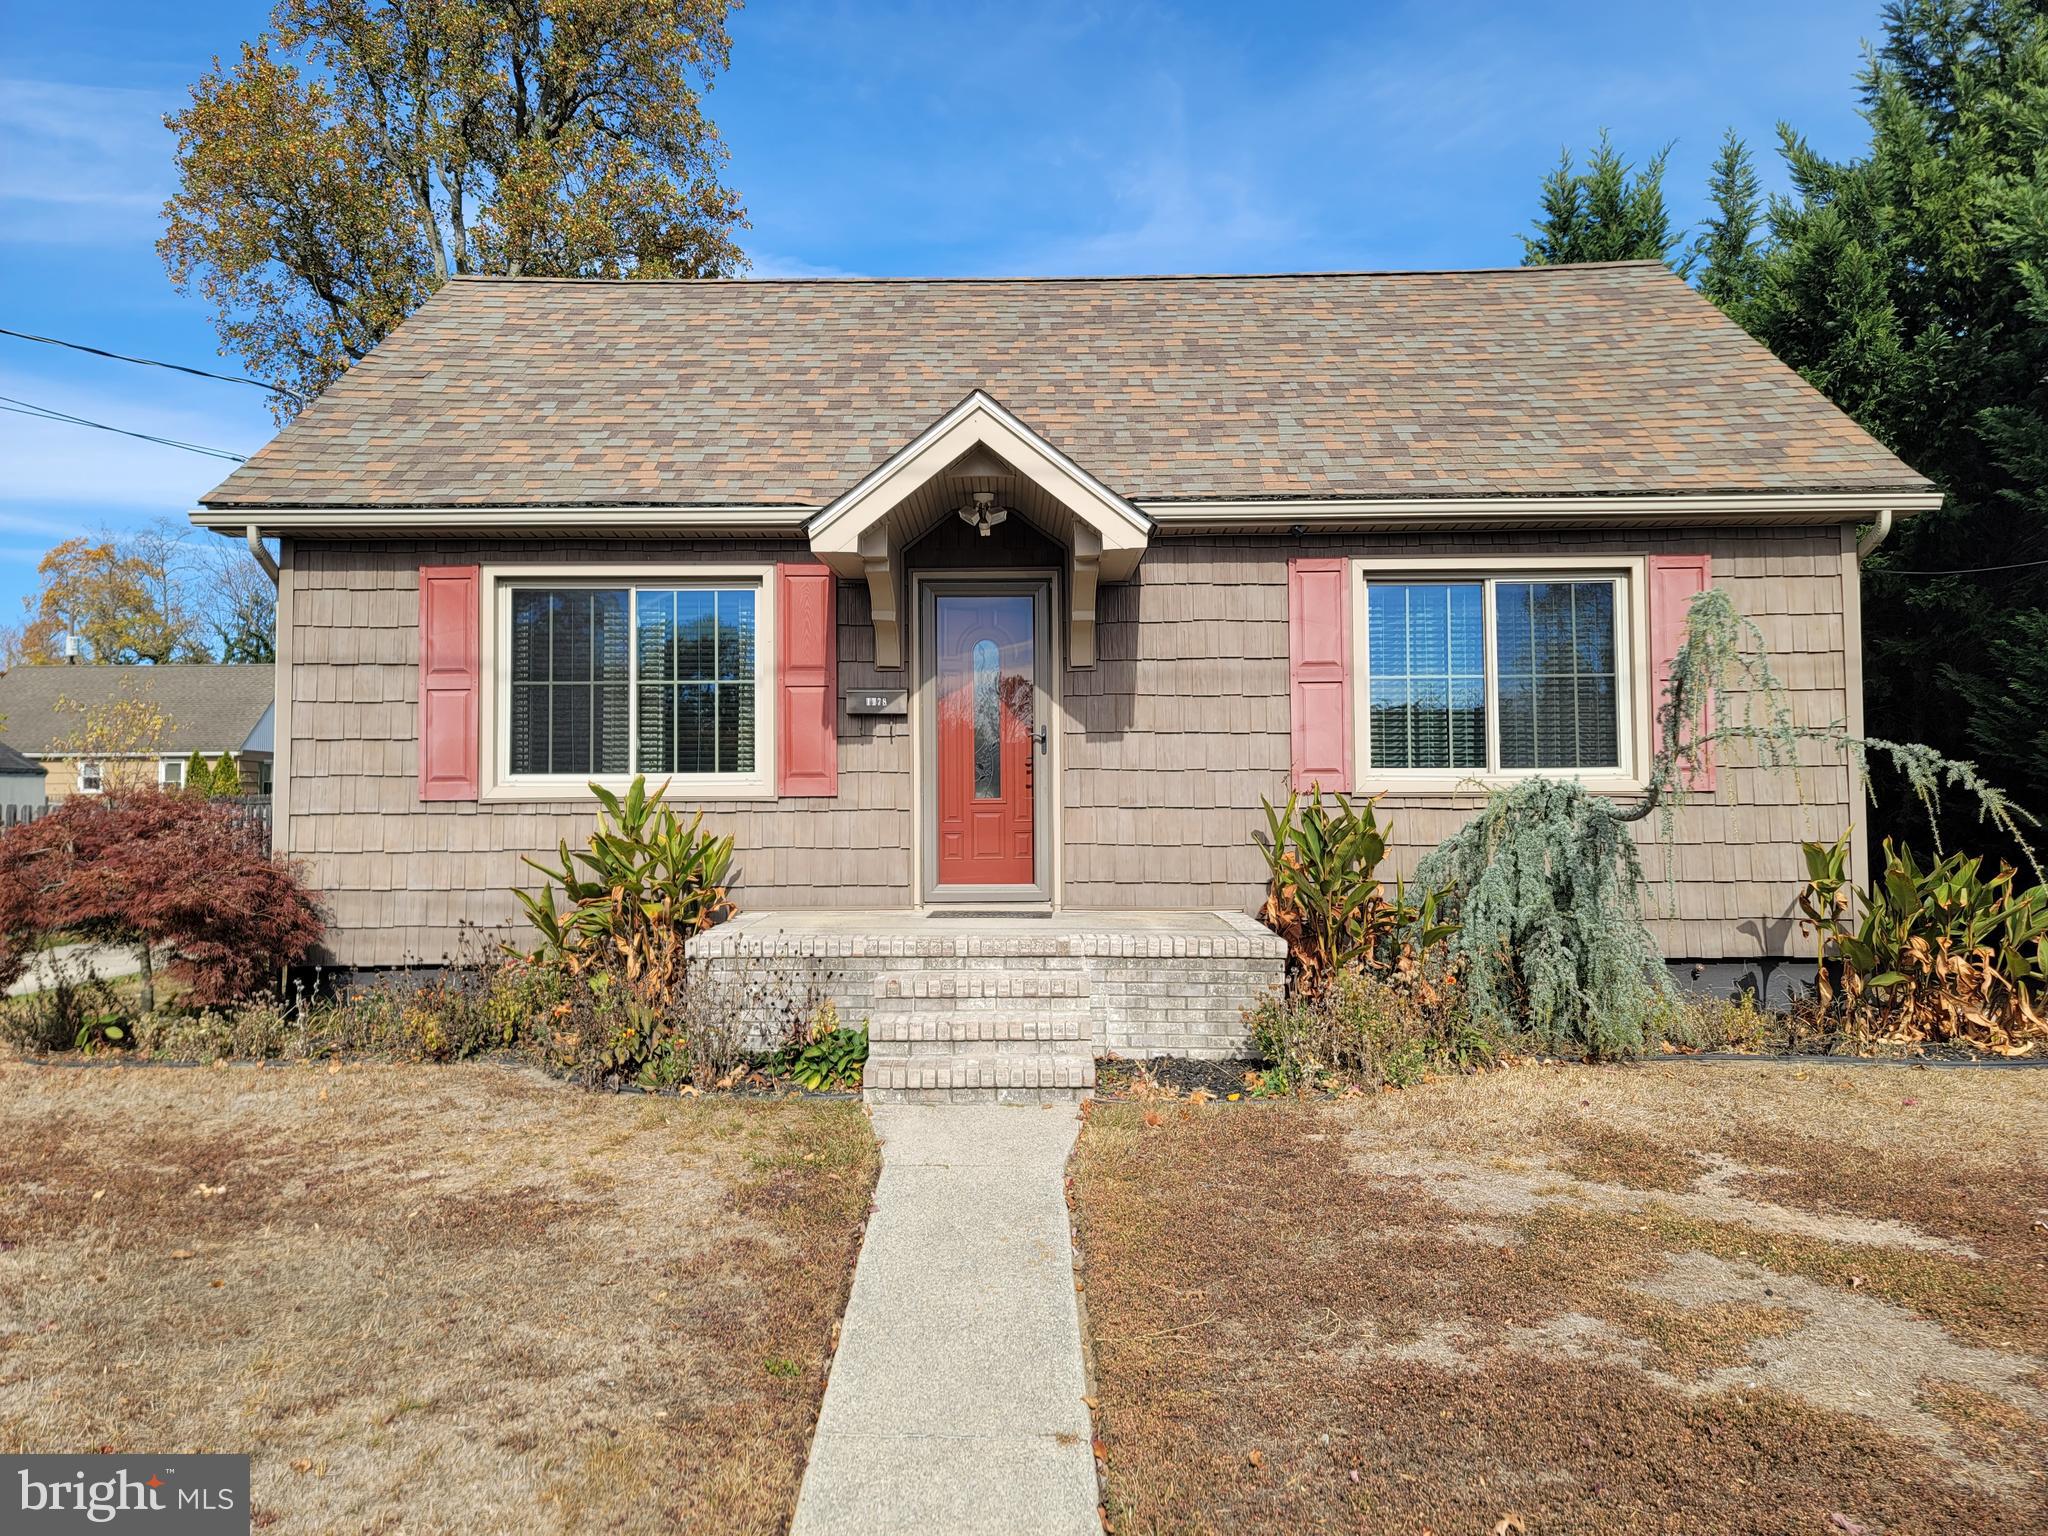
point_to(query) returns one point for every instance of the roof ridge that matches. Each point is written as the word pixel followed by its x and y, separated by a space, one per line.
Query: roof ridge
pixel 1558 268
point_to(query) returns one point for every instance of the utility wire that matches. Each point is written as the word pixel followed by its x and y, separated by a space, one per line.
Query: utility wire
pixel 1970 570
pixel 44 413
pixel 151 362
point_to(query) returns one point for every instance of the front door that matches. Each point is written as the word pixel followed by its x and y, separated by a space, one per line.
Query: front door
pixel 984 655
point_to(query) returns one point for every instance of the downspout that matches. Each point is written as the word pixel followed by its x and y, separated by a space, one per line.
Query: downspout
pixel 1859 846
pixel 1874 535
pixel 261 555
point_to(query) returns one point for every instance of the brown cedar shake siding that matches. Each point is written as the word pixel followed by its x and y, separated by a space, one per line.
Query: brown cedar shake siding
pixel 1167 743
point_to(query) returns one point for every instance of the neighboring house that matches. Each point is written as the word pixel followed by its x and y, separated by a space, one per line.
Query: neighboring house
pixel 98 727
pixel 21 785
pixel 1023 594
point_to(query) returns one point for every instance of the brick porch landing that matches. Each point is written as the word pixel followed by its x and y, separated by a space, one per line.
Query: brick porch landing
pixel 1007 1007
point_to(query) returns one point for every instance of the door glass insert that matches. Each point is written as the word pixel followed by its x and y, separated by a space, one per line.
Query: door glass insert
pixel 988 722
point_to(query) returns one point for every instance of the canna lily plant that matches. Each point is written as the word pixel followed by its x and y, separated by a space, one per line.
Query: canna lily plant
pixel 645 885
pixel 1324 894
pixel 1941 951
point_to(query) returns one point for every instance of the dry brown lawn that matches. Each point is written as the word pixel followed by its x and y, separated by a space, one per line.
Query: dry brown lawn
pixel 428 1299
pixel 1729 1299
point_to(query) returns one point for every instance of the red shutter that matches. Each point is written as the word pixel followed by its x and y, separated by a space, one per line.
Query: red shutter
pixel 1319 671
pixel 807 680
pixel 449 636
pixel 1674 581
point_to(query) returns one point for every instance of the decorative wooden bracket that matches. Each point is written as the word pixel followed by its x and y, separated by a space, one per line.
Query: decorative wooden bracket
pixel 879 566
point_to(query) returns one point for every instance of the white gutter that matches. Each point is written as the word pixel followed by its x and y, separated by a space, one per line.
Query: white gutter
pixel 1876 534
pixel 1731 507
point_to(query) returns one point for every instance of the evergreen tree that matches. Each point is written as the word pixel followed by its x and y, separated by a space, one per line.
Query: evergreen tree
pixel 1729 245
pixel 226 778
pixel 198 777
pixel 1908 284
pixel 1608 212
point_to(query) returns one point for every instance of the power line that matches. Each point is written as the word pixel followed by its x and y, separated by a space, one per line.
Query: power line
pixel 44 413
pixel 151 362
pixel 1968 570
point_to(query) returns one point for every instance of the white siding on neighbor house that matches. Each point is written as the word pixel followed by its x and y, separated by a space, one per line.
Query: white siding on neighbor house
pixel 23 790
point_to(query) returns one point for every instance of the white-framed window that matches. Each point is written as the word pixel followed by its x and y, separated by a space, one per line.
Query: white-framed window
pixel 90 780
pixel 604 677
pixel 1495 672
pixel 170 773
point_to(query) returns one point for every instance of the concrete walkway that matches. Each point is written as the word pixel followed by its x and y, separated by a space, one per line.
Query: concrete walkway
pixel 108 962
pixel 954 1404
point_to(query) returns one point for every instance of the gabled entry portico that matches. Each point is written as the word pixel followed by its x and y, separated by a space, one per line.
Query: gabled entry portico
pixel 979 447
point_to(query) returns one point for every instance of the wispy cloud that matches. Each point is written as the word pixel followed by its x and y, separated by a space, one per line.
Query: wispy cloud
pixel 83 162
pixel 770 264
pixel 56 469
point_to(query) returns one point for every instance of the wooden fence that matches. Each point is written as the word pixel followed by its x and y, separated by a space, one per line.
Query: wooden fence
pixel 251 809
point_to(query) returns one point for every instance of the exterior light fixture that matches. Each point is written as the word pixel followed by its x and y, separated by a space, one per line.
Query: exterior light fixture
pixel 984 514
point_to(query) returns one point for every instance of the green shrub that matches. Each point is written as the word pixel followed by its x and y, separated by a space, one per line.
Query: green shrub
pixel 1368 1029
pixel 833 1056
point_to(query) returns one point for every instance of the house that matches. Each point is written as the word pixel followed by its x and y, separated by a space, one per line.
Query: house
pixel 100 727
pixel 22 796
pixel 1018 596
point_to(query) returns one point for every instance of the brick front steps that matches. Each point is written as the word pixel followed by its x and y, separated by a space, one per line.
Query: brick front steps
pixel 1005 1009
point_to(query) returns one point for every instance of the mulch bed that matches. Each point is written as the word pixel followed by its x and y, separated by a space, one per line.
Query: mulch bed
pixel 1117 1077
pixel 754 1084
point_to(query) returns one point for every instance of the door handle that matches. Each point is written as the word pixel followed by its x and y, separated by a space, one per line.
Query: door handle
pixel 1039 736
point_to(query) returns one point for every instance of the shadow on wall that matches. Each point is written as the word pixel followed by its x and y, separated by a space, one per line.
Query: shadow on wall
pixel 1101 699
pixel 1774 982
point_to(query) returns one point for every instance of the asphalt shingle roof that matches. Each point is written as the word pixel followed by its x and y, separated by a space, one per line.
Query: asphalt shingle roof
pixel 1579 380
pixel 209 708
pixel 14 766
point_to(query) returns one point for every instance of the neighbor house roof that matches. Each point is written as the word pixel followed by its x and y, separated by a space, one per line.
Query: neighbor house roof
pixel 14 766
pixel 209 708
pixel 1595 380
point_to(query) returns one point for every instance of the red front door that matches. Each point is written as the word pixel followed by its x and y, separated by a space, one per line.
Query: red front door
pixel 986 677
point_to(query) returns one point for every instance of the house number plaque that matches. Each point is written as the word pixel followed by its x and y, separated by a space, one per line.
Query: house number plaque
pixel 878 701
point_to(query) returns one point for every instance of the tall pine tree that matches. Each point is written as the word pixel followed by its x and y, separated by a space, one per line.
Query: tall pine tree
pixel 1909 285
pixel 1729 247
pixel 1610 211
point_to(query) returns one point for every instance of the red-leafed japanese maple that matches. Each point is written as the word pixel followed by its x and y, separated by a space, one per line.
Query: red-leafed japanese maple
pixel 158 872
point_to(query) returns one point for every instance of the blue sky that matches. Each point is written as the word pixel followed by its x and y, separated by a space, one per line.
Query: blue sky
pixel 916 139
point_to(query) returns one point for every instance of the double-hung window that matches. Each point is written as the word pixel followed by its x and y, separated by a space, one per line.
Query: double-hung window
pixel 610 679
pixel 1497 675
